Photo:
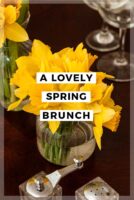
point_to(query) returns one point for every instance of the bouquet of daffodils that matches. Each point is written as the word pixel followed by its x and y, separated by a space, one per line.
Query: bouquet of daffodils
pixel 41 59
pixel 13 15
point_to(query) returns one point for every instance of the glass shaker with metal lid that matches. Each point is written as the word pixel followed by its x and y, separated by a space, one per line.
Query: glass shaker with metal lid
pixel 45 187
pixel 96 189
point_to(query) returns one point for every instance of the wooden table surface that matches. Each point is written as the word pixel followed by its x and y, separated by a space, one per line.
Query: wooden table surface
pixel 60 26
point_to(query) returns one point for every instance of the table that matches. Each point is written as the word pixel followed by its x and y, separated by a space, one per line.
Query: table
pixel 60 26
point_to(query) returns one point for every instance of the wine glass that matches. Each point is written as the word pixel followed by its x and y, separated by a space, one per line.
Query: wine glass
pixel 103 39
pixel 120 64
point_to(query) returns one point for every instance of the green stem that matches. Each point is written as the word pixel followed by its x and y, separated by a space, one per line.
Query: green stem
pixel 1 89
pixel 23 11
pixel 56 153
pixel 13 55
pixel 12 97
pixel 4 75
pixel 46 150
pixel 56 150
pixel 6 88
pixel 1 75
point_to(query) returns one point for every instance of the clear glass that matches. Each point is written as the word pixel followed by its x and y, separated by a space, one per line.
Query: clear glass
pixel 120 17
pixel 96 189
pixel 103 39
pixel 24 195
pixel 8 56
pixel 72 140
pixel 119 64
pixel 25 23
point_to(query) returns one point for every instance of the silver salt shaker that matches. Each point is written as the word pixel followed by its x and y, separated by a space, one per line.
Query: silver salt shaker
pixel 97 189
pixel 45 187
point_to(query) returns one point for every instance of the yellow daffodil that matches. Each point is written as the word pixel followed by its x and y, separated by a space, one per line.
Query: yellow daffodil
pixel 104 116
pixel 109 119
pixel 9 28
pixel 41 59
pixel 78 60
pixel 110 115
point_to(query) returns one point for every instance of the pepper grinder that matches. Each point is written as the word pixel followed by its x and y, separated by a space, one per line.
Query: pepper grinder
pixel 45 187
pixel 96 189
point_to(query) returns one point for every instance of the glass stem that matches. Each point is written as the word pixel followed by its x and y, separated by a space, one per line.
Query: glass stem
pixel 104 27
pixel 121 59
pixel 123 32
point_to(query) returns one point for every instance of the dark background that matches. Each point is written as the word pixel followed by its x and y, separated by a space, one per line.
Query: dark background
pixel 60 26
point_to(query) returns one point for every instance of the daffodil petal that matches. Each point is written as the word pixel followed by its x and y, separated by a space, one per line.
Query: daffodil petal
pixel 117 108
pixel 41 51
pixel 20 93
pixel 73 106
pixel 23 80
pixel 54 125
pixel 98 132
pixel 107 94
pixel 98 120
pixel 16 33
pixel 14 105
pixel 64 51
pixel 69 87
pixel 2 38
pixel 92 59
pixel 107 114
pixel 28 63
pixel 114 122
pixel 31 109
pixel 95 107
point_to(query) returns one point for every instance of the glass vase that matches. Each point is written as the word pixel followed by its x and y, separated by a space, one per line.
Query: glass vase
pixel 8 55
pixel 71 140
